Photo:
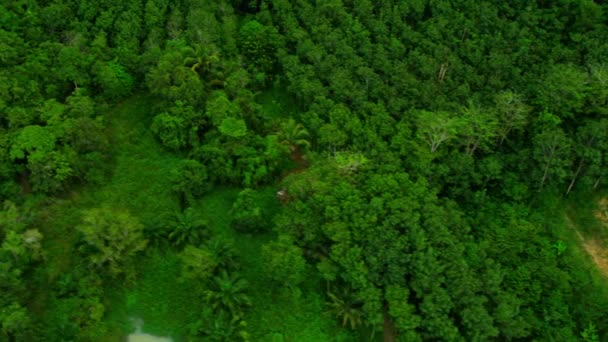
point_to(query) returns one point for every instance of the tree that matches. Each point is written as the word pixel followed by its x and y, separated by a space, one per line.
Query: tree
pixel 15 321
pixel 512 114
pixel 435 128
pixel 552 151
pixel 219 108
pixel 50 169
pixel 283 262
pixel 232 127
pixel 198 264
pixel 246 212
pixel 220 327
pixel 190 181
pixel 293 135
pixel 188 228
pixel 479 126
pixel 259 44
pixel 114 80
pixel 563 90
pixel 227 292
pixel 404 313
pixel 589 146
pixel 347 308
pixel 178 127
pixel 112 238
pixel 173 81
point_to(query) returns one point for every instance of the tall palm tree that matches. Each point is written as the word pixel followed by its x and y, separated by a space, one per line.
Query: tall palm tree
pixel 347 308
pixel 227 292
pixel 294 135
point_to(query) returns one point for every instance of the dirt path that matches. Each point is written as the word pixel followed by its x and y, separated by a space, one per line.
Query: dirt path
pixel 593 247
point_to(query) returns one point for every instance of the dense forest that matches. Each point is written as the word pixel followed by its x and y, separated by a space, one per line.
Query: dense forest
pixel 305 170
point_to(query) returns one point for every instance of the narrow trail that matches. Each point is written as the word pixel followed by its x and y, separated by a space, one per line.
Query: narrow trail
pixel 301 164
pixel 597 252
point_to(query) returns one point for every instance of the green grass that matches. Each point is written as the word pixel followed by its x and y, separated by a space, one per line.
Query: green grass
pixel 277 103
pixel 300 318
pixel 140 181
pixel 158 297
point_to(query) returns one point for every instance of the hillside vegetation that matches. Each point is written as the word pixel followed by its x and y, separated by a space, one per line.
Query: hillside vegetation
pixel 275 170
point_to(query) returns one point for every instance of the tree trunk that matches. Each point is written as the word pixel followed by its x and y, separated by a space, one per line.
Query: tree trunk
pixel 542 182
pixel 182 201
pixel 597 182
pixel 578 170
pixel 389 334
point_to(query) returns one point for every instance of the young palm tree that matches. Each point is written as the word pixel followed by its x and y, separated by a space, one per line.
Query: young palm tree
pixel 227 292
pixel 221 327
pixel 294 135
pixel 347 308
pixel 224 252
pixel 188 228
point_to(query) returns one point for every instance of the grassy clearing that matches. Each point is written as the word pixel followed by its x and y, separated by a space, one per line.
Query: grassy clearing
pixel 164 303
pixel 275 312
pixel 277 102
pixel 140 181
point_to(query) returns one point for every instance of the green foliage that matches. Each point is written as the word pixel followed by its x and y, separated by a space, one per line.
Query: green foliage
pixel 423 148
pixel 198 263
pixel 190 180
pixel 112 238
pixel 349 162
pixel 49 172
pixel 188 228
pixel 15 321
pixel 293 135
pixel 436 128
pixel 219 108
pixel 259 44
pixel 114 80
pixel 227 292
pixel 347 309
pixel 246 212
pixel 33 140
pixel 234 128
pixel 590 334
pixel 177 128
pixel 77 307
pixel 283 262
pixel 220 327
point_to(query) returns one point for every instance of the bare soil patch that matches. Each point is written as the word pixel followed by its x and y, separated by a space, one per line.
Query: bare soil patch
pixel 596 248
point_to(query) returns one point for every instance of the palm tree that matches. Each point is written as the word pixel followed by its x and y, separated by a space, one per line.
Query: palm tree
pixel 221 327
pixel 224 252
pixel 294 135
pixel 227 292
pixel 347 308
pixel 197 57
pixel 188 228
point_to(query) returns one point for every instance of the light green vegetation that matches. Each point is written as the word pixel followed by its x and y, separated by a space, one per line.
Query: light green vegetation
pixel 286 171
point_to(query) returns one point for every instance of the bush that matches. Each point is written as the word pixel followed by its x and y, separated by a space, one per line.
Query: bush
pixel 190 181
pixel 246 212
